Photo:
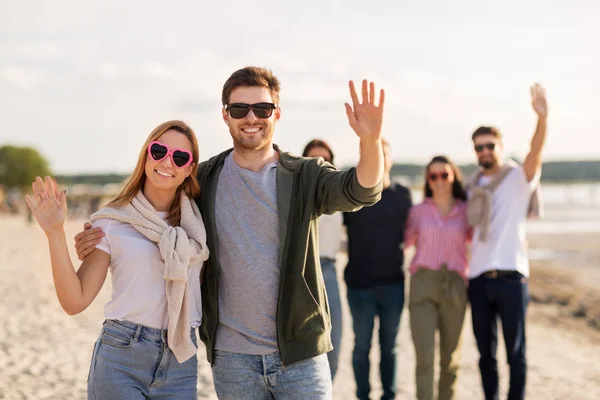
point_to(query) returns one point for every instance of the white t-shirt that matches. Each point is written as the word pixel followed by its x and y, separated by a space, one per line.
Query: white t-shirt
pixel 505 247
pixel 137 270
pixel 330 234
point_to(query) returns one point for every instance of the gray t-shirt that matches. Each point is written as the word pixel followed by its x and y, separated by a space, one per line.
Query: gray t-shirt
pixel 248 244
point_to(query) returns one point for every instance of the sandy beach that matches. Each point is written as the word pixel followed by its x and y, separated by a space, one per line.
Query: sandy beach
pixel 45 354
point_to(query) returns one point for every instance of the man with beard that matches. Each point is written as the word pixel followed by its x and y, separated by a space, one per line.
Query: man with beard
pixel 499 202
pixel 266 322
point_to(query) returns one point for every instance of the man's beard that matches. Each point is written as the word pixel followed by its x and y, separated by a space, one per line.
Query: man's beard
pixel 487 164
pixel 251 143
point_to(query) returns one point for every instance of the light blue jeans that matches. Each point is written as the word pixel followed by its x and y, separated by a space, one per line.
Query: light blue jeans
pixel 131 361
pixel 251 377
pixel 335 311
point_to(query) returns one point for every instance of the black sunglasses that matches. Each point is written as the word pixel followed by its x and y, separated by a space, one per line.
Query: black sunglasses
pixel 240 110
pixel 443 176
pixel 490 146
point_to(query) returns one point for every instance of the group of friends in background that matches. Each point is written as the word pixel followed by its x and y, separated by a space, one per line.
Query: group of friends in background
pixel 242 249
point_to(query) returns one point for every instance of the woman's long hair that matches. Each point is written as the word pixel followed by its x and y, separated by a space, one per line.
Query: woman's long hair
pixel 135 182
pixel 458 190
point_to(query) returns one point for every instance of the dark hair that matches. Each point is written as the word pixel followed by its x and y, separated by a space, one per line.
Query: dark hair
pixel 315 143
pixel 248 77
pixel 458 190
pixel 486 130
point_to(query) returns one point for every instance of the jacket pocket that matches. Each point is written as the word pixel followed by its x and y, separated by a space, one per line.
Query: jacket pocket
pixel 305 317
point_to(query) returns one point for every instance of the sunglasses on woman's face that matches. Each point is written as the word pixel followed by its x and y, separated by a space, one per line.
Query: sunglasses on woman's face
pixel 240 110
pixel 490 146
pixel 433 176
pixel 159 151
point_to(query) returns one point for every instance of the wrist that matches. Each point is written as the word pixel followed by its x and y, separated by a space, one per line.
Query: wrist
pixel 370 142
pixel 55 233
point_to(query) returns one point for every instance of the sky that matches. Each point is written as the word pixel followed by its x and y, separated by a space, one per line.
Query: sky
pixel 85 82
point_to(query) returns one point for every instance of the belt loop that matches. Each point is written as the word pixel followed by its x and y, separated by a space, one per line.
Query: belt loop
pixel 138 331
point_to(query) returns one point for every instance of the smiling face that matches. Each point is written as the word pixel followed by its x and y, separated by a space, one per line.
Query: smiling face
pixel 164 175
pixel 440 178
pixel 251 133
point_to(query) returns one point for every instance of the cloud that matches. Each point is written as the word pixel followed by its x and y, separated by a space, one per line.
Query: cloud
pixel 157 70
pixel 39 50
pixel 151 70
pixel 109 69
pixel 198 105
pixel 21 78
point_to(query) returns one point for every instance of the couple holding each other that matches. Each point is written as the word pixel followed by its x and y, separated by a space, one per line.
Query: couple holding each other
pixel 259 300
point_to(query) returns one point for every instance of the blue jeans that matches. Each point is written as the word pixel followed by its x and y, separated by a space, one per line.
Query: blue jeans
pixel 131 361
pixel 254 377
pixel 508 298
pixel 335 311
pixel 386 302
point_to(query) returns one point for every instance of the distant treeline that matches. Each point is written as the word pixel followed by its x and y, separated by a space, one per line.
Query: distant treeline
pixel 553 171
pixel 90 179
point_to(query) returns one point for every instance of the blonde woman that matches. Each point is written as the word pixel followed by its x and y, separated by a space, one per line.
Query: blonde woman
pixel 154 246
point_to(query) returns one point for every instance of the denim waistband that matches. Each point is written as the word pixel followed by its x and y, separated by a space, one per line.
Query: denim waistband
pixel 139 330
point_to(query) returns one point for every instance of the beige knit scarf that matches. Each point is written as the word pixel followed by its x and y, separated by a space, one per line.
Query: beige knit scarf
pixel 479 206
pixel 179 248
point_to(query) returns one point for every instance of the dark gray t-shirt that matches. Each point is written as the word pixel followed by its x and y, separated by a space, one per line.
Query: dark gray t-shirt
pixel 248 244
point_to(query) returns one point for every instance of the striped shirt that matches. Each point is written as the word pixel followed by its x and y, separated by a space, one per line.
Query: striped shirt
pixel 438 240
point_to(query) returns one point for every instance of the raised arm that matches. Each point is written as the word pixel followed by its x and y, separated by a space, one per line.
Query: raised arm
pixel 533 161
pixel 366 120
pixel 75 290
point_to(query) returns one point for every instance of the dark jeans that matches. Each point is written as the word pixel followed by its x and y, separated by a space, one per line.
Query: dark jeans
pixel 506 297
pixel 386 302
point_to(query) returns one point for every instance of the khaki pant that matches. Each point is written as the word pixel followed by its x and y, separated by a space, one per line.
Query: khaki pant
pixel 438 300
